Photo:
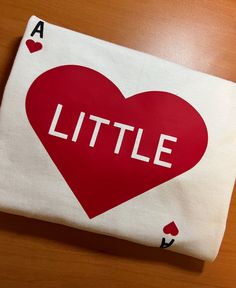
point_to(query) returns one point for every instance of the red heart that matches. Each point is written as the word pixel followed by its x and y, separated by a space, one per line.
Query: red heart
pixel 171 228
pixel 100 178
pixel 33 46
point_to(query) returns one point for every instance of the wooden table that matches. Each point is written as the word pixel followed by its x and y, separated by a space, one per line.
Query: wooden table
pixel 198 34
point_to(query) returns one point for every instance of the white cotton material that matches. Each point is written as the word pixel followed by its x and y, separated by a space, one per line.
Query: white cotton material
pixel 197 200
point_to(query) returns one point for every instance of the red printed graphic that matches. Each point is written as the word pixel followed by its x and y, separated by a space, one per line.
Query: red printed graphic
pixel 171 229
pixel 110 149
pixel 33 46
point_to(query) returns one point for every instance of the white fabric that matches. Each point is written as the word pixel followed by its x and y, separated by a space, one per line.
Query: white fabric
pixel 197 200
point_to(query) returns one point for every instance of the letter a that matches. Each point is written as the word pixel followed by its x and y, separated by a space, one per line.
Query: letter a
pixel 165 244
pixel 38 29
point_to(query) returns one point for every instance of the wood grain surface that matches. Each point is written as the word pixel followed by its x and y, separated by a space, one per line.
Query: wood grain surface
pixel 198 34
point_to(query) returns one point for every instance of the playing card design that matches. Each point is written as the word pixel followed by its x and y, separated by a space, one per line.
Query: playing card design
pixel 32 45
pixel 111 140
pixel 171 230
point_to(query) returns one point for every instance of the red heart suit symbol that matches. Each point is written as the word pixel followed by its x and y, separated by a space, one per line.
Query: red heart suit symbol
pixel 171 229
pixel 33 46
pixel 107 164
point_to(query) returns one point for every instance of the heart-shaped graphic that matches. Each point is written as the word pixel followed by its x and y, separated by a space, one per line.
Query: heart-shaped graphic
pixel 110 149
pixel 171 229
pixel 33 46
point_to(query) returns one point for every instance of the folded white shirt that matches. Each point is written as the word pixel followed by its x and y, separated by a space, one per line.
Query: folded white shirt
pixel 111 140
